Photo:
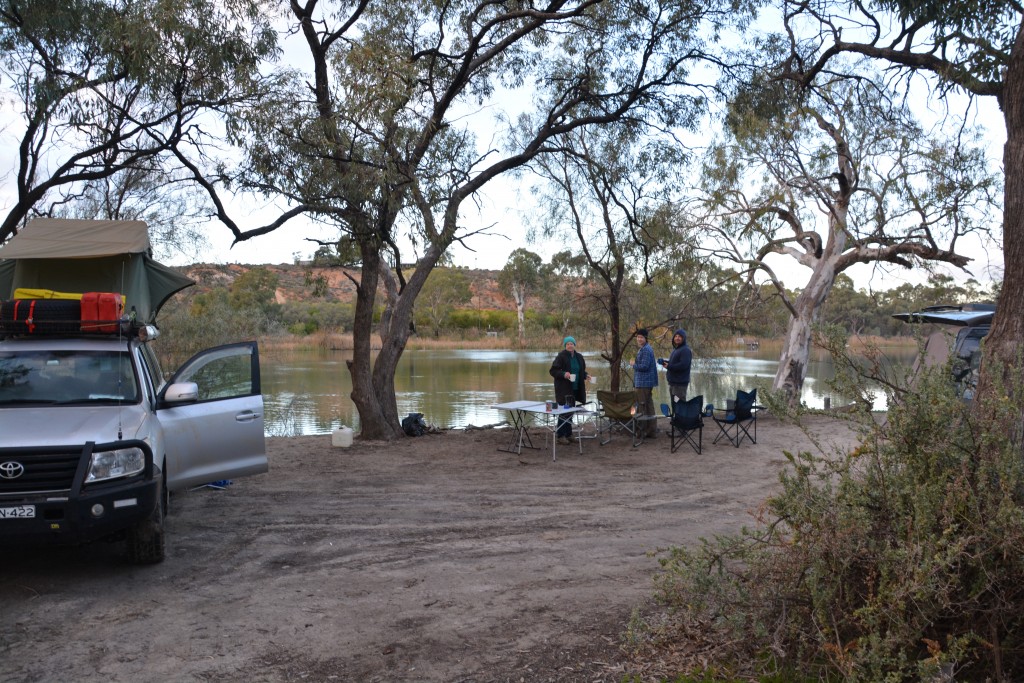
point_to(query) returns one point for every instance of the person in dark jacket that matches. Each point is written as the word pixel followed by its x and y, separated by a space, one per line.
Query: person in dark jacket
pixel 570 372
pixel 645 381
pixel 678 367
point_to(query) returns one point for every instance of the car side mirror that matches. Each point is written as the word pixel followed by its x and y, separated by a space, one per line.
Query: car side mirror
pixel 182 392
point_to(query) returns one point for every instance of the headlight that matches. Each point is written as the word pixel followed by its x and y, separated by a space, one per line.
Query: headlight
pixel 123 462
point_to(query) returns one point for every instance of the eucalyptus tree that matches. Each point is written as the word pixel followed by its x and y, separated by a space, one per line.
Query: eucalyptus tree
pixel 971 46
pixel 102 87
pixel 836 175
pixel 520 277
pixel 380 136
pixel 445 289
pixel 564 289
pixel 602 189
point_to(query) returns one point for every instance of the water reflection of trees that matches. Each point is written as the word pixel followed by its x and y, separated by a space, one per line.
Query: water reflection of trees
pixel 224 378
pixel 12 372
pixel 310 394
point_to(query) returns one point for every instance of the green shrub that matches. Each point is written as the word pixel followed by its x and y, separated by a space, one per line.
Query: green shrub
pixel 311 316
pixel 304 329
pixel 481 319
pixel 900 561
pixel 186 329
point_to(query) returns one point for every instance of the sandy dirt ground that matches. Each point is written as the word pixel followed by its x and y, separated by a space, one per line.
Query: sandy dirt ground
pixel 436 558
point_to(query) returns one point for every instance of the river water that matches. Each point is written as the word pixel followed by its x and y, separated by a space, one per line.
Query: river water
pixel 308 392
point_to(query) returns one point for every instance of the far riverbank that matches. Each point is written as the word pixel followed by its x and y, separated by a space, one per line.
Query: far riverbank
pixel 344 342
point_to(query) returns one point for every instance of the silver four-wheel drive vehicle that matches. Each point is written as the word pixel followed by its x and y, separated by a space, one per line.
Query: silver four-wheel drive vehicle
pixel 92 437
pixel 970 323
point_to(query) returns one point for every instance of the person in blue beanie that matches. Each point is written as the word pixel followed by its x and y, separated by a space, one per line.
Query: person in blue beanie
pixel 678 367
pixel 570 372
pixel 645 379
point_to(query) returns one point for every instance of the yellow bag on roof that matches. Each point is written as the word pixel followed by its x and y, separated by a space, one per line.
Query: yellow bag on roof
pixel 29 293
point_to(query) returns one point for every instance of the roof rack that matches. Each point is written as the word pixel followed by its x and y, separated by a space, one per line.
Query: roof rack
pixel 69 328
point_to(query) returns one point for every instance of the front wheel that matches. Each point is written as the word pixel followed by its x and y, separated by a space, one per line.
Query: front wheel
pixel 146 538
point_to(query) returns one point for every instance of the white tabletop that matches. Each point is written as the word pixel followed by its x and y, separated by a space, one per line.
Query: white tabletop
pixel 517 405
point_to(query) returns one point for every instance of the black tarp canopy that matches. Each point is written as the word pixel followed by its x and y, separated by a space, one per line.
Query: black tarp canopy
pixel 69 255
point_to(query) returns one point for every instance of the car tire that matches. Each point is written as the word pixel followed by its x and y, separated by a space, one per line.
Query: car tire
pixel 146 538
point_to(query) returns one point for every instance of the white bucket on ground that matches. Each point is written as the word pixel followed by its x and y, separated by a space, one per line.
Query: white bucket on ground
pixel 342 437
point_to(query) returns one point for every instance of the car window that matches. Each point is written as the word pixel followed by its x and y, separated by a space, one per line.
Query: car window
pixel 969 340
pixel 67 377
pixel 225 372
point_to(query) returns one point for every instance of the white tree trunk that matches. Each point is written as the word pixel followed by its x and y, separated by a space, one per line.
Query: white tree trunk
pixel 519 295
pixel 796 349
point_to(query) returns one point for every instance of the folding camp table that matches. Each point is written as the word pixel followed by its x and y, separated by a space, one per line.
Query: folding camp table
pixel 518 415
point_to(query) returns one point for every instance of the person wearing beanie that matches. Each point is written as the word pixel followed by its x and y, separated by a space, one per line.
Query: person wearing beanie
pixel 678 367
pixel 645 379
pixel 569 370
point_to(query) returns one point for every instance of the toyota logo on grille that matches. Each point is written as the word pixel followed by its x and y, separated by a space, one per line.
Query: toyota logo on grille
pixel 11 470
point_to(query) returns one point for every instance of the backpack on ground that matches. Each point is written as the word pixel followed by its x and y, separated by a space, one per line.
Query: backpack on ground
pixel 413 424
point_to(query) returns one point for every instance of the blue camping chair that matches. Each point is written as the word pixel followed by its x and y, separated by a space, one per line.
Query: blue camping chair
pixel 738 422
pixel 687 419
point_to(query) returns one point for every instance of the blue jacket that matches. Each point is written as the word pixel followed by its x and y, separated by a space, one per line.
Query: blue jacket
pixel 645 368
pixel 679 365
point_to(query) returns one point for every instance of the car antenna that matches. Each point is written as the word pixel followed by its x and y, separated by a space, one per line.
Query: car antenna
pixel 120 364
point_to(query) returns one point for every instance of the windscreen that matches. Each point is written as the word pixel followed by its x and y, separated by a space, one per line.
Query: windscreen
pixel 66 377
pixel 969 341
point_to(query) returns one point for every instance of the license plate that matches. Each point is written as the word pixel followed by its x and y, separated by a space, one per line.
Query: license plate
pixel 18 512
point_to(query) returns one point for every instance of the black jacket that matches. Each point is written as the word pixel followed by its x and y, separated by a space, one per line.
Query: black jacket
pixel 679 365
pixel 563 387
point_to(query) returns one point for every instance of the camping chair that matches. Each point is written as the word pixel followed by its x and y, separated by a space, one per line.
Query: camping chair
pixel 616 411
pixel 687 419
pixel 735 423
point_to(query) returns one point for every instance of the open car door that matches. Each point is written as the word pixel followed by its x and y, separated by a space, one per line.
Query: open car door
pixel 216 432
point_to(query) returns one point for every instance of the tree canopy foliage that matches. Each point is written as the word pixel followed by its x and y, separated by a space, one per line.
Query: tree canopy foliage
pixel 444 290
pixel 607 190
pixel 110 87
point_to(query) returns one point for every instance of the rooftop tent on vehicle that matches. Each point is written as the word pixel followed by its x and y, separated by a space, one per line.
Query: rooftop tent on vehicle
pixel 70 255
pixel 970 323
